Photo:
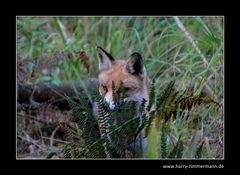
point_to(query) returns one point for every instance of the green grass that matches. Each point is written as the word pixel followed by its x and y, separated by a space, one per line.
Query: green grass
pixel 166 52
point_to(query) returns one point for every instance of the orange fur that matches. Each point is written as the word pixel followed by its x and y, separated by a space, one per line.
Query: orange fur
pixel 117 71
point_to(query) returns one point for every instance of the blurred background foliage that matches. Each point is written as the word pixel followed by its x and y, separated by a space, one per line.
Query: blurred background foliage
pixel 164 47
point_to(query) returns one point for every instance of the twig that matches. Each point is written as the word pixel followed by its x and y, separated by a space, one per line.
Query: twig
pixel 190 39
pixel 61 29
pixel 166 18
pixel 31 97
pixel 36 119
pixel 61 141
pixel 30 140
pixel 52 135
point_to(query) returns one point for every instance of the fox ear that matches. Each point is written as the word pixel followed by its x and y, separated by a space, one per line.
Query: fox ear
pixel 104 59
pixel 135 65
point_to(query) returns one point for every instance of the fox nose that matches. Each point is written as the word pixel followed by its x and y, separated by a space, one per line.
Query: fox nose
pixel 109 100
pixel 111 105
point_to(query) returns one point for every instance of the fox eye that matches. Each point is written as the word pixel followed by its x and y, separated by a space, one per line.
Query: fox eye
pixel 118 91
pixel 127 89
pixel 104 88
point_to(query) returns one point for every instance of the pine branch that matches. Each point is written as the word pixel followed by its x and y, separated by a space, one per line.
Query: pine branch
pixel 104 125
pixel 151 95
pixel 67 131
pixel 161 101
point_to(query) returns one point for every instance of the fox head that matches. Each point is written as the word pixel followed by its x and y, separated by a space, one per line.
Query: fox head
pixel 132 73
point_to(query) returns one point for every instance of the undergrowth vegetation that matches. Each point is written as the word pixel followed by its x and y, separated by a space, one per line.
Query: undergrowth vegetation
pixel 185 114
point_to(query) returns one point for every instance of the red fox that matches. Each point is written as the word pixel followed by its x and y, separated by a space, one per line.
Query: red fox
pixel 132 73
